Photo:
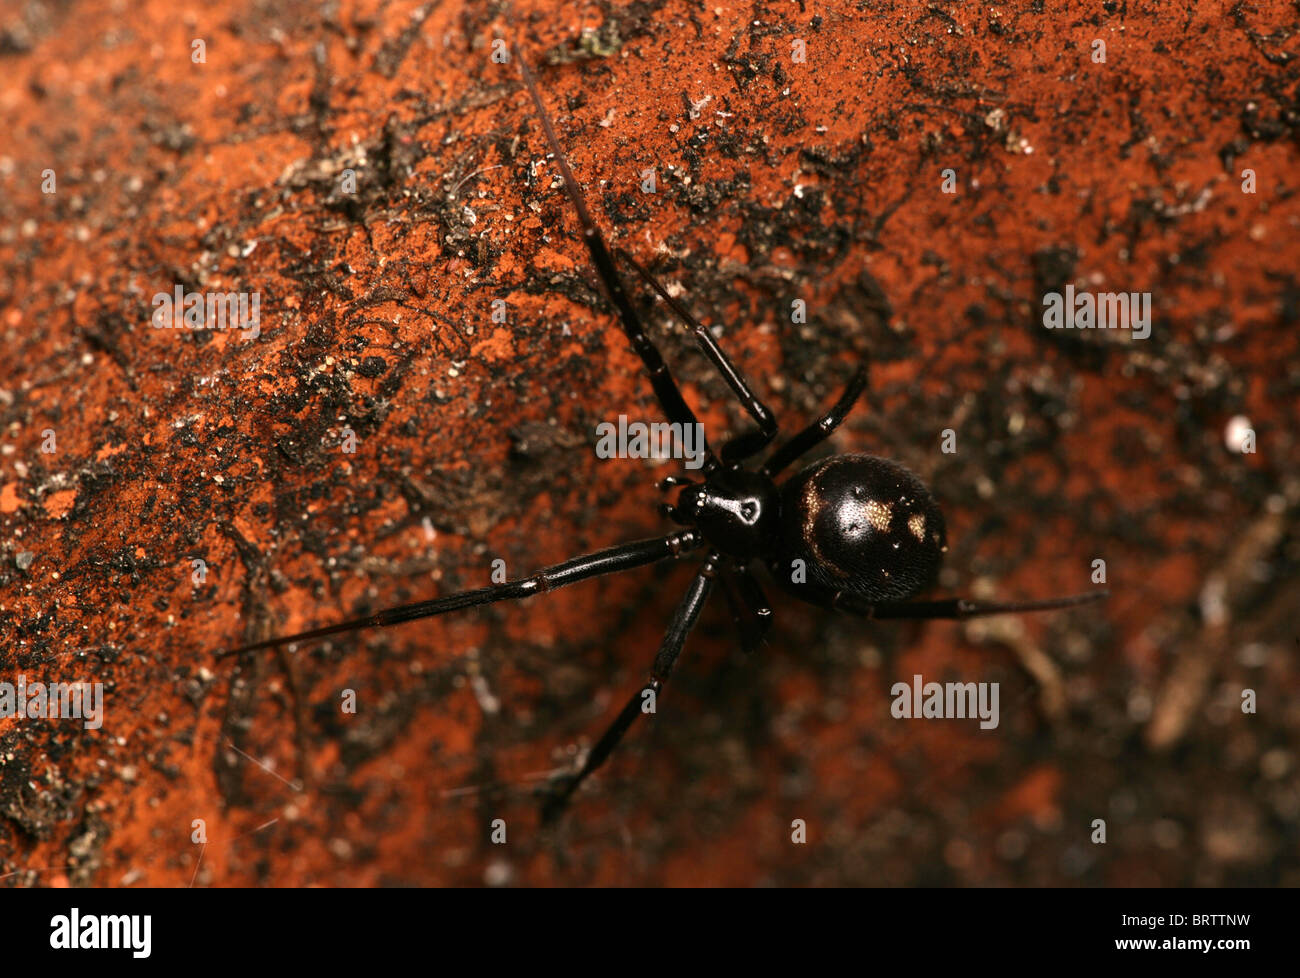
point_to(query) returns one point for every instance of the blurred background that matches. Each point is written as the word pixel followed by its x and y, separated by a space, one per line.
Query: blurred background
pixel 1163 161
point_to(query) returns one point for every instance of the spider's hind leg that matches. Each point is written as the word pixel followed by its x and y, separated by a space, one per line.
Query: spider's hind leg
pixel 644 700
pixel 957 609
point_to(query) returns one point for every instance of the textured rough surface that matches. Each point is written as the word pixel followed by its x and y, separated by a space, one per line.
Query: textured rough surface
pixel 777 181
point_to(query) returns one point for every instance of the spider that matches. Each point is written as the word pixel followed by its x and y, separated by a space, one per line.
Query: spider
pixel 853 532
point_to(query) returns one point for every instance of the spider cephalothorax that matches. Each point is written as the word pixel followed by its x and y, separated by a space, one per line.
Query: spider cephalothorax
pixel 736 511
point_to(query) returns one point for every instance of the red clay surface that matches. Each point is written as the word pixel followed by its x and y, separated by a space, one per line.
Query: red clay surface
pixel 777 181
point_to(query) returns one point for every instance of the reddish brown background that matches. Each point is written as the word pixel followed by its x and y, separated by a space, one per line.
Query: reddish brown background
pixel 817 181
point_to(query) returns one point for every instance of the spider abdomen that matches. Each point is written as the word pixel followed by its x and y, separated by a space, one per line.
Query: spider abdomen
pixel 861 524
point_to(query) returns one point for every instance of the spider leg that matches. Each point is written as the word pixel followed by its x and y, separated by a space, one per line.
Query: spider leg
pixel 953 608
pixel 610 561
pixel 751 442
pixel 683 620
pixel 749 606
pixel 665 388
pixel 820 430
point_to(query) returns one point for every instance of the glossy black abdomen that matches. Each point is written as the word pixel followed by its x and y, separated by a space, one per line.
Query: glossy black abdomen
pixel 862 524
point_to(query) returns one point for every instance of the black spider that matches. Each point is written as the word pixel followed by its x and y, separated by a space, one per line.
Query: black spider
pixel 851 532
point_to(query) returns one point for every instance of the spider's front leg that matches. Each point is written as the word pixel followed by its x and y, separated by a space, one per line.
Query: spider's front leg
pixel 666 390
pixel 623 557
pixel 751 442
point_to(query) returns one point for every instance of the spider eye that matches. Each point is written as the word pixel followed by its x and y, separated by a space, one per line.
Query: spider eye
pixel 689 501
